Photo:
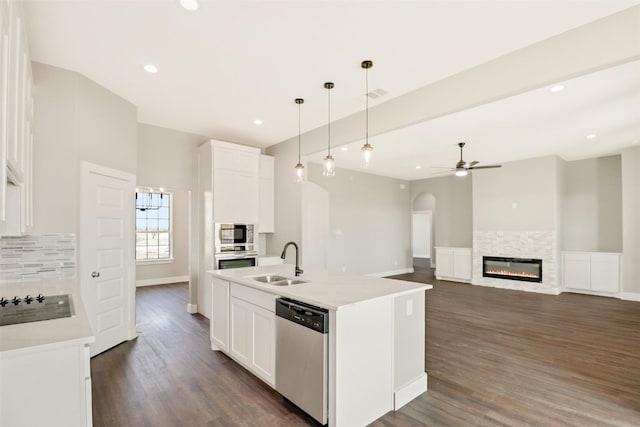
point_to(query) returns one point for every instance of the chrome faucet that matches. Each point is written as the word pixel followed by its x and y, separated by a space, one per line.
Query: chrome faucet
pixel 284 254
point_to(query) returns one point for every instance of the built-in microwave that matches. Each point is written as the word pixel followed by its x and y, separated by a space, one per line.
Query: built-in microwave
pixel 230 237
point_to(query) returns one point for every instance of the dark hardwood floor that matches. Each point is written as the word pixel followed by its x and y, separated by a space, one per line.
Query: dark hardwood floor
pixel 494 357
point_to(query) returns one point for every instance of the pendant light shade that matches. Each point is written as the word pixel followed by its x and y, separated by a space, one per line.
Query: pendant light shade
pixel 328 163
pixel 367 149
pixel 299 167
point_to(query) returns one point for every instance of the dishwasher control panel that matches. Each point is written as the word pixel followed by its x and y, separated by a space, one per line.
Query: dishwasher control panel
pixel 307 315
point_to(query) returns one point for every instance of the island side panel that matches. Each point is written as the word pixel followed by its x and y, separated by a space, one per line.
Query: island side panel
pixel 410 378
pixel 361 362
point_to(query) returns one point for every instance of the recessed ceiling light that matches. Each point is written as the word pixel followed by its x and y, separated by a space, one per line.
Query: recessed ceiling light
pixel 591 136
pixel 344 148
pixel 557 88
pixel 257 122
pixel 150 68
pixel 418 167
pixel 189 5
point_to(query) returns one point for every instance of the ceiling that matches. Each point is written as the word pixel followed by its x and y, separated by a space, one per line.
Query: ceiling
pixel 537 123
pixel 231 62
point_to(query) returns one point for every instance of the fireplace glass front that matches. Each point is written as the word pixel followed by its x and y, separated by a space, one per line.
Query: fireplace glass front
pixel 525 269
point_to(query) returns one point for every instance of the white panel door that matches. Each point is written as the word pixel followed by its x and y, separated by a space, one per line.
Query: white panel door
pixel 462 264
pixel 605 272
pixel 576 271
pixel 444 262
pixel 224 194
pixel 264 339
pixel 240 345
pixel 107 262
pixel 246 198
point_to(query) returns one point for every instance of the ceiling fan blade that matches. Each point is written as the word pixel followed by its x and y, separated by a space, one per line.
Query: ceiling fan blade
pixel 472 164
pixel 486 167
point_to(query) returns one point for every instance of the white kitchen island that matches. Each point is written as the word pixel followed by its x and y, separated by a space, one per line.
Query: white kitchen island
pixel 376 334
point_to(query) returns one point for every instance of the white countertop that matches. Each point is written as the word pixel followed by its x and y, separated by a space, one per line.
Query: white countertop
pixel 326 289
pixel 75 329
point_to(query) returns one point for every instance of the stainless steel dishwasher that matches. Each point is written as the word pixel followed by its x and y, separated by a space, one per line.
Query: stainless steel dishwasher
pixel 302 356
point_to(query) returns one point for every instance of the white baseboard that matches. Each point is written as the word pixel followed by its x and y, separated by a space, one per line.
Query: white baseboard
pixel 391 272
pixel 409 392
pixel 161 281
pixel 453 279
pixel 630 296
pixel 192 308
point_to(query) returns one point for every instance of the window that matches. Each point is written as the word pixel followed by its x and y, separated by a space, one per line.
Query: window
pixel 153 226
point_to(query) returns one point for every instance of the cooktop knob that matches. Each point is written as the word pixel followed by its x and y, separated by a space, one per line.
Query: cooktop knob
pixel 4 301
pixel 16 300
pixel 40 298
pixel 28 299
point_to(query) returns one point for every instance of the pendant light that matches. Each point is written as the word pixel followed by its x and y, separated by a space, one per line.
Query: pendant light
pixel 299 167
pixel 329 164
pixel 367 149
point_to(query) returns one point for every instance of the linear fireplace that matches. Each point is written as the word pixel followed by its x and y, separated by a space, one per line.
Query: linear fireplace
pixel 525 269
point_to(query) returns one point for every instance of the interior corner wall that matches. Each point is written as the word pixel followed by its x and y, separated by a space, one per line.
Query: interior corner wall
pixel 592 213
pixel 369 221
pixel 76 120
pixel 288 198
pixel 168 158
pixel 631 223
pixel 453 214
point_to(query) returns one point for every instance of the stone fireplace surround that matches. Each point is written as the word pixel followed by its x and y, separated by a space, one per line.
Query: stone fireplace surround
pixel 518 244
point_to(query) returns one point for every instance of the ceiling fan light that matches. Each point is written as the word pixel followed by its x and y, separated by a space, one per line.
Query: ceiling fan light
pixel 462 172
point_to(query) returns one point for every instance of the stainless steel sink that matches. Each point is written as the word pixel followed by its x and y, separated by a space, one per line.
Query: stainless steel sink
pixel 276 280
pixel 269 278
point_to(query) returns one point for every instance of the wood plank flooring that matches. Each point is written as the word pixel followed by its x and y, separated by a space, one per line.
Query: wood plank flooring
pixel 494 357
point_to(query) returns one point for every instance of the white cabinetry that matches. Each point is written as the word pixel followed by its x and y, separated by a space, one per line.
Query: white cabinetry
pixel 591 272
pixel 453 264
pixel 253 331
pixel 220 314
pixel 46 387
pixel 16 121
pixel 267 195
pixel 235 183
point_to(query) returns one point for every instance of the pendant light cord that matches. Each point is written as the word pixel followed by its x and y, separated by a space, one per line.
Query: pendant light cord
pixel 299 109
pixel 366 95
pixel 329 122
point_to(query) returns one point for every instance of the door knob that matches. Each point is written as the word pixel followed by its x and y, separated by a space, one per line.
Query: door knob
pixel 95 274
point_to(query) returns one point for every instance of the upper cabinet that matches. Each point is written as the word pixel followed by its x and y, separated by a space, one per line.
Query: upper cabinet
pixel 16 121
pixel 267 200
pixel 231 174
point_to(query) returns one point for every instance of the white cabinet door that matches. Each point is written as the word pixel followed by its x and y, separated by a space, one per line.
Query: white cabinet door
pixel 246 198
pixel 247 162
pixel 263 333
pixel 266 195
pixel 220 314
pixel 224 194
pixel 576 271
pixel 240 345
pixel 444 262
pixel 462 263
pixel 224 158
pixel 605 272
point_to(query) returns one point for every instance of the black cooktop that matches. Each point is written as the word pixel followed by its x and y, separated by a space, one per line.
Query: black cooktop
pixel 40 308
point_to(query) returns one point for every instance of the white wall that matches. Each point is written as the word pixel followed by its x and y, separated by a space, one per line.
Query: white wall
pixel 369 219
pixel 592 206
pixel 452 216
pixel 76 120
pixel 168 158
pixel 178 269
pixel 631 223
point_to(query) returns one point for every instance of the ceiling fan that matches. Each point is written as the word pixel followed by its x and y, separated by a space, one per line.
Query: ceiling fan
pixel 462 168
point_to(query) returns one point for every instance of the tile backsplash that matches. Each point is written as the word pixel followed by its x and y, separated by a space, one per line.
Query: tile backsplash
pixel 36 257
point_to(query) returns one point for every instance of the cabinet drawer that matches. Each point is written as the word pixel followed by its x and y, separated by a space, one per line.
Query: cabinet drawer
pixel 254 296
